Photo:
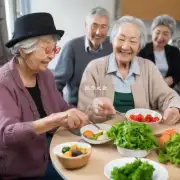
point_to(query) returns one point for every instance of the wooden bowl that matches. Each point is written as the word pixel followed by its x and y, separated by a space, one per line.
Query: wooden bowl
pixel 73 162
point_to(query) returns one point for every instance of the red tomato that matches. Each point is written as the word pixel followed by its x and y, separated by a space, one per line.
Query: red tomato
pixel 148 118
pixel 133 117
pixel 140 118
pixel 155 119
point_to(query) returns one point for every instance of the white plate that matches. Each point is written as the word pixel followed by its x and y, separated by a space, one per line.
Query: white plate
pixel 91 127
pixel 144 112
pixel 160 172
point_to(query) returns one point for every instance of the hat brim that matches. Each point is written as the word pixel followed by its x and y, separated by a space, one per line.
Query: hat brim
pixel 12 42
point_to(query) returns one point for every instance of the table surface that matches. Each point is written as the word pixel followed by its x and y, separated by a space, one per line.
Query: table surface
pixel 101 155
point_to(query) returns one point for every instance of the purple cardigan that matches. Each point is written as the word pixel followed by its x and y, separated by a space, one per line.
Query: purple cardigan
pixel 22 152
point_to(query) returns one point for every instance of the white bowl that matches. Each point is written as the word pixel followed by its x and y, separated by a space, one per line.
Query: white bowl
pixel 144 112
pixel 91 127
pixel 160 172
pixel 132 153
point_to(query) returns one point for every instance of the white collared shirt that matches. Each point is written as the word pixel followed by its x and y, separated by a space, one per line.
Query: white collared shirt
pixel 88 47
pixel 123 85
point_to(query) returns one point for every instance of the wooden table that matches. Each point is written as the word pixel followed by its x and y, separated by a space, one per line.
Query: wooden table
pixel 101 155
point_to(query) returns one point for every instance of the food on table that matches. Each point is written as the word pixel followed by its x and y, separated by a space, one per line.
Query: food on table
pixel 65 149
pixel 144 118
pixel 166 136
pixel 74 150
pixel 170 152
pixel 134 136
pixel 100 135
pixel 170 132
pixel 68 153
pixel 136 170
pixel 88 133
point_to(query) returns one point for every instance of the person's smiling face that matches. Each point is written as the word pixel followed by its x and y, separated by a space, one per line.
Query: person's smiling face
pixel 126 44
pixel 45 51
pixel 160 36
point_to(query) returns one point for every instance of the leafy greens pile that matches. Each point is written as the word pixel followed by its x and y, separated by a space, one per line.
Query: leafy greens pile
pixel 135 136
pixel 171 151
pixel 136 170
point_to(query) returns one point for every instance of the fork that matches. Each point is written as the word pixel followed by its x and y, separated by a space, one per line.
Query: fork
pixel 117 112
pixel 94 124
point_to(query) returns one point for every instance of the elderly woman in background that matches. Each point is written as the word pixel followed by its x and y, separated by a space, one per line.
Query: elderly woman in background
pixel 122 81
pixel 166 57
pixel 30 104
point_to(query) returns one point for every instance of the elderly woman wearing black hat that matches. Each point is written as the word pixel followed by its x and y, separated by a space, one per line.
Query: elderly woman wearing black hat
pixel 30 104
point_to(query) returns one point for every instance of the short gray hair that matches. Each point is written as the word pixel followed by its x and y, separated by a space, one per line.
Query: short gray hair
pixel 164 20
pixel 28 45
pixel 97 11
pixel 130 19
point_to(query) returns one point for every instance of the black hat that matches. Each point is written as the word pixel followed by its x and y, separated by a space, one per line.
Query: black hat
pixel 32 25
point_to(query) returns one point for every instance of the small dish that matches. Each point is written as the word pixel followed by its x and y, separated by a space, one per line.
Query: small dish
pixel 90 127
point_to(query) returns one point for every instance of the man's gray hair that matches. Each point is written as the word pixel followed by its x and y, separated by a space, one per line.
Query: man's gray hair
pixel 164 20
pixel 97 11
pixel 29 45
pixel 130 19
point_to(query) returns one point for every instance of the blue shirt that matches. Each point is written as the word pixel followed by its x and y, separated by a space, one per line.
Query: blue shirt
pixel 88 47
pixel 123 85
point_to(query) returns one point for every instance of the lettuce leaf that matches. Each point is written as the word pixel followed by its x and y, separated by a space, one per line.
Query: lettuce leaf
pixel 171 151
pixel 135 136
pixel 136 170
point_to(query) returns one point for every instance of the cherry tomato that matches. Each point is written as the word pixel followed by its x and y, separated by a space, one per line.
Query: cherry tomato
pixel 155 119
pixel 133 117
pixel 140 118
pixel 148 118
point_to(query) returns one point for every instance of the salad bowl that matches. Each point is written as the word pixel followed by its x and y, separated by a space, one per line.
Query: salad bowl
pixel 159 173
pixel 133 139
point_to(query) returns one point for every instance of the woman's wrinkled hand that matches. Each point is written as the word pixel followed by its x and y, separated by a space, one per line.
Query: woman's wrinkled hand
pixel 76 118
pixel 171 116
pixel 72 118
pixel 103 106
pixel 169 80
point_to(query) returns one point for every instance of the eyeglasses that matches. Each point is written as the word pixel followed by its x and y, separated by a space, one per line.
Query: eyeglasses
pixel 50 50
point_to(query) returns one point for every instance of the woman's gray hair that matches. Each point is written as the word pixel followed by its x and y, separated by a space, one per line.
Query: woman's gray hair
pixel 28 45
pixel 130 19
pixel 164 20
pixel 97 11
